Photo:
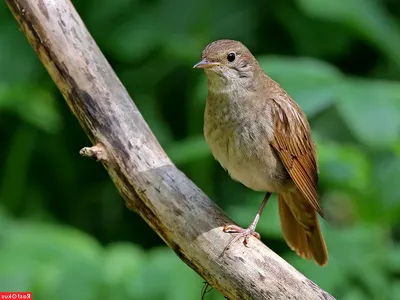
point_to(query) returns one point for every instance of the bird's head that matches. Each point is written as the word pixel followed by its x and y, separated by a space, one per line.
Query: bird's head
pixel 228 64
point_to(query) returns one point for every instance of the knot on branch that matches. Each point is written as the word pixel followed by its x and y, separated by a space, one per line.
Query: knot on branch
pixel 98 152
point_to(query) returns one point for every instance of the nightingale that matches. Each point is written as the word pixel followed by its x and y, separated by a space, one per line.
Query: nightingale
pixel 257 133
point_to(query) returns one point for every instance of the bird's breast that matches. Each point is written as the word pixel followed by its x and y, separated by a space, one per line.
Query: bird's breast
pixel 238 136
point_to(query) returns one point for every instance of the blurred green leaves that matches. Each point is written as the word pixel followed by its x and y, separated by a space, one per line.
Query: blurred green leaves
pixel 33 104
pixel 18 62
pixel 354 252
pixel 344 166
pixel 57 262
pixel 367 18
pixel 372 110
pixel 51 258
pixel 190 149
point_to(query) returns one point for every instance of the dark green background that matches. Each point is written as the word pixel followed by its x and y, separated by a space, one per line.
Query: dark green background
pixel 64 230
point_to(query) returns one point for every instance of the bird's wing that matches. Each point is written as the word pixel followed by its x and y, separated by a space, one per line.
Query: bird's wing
pixel 294 145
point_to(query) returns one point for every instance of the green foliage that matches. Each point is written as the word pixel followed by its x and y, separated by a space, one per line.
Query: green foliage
pixel 65 232
pixel 62 263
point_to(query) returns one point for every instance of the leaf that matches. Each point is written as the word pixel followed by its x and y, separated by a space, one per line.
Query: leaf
pixel 395 288
pixel 101 14
pixel 123 43
pixel 175 280
pixel 329 278
pixel 65 262
pixel 5 218
pixel 16 56
pixel 17 273
pixel 13 183
pixel 306 34
pixel 356 253
pixel 190 149
pixel 344 165
pixel 310 82
pixel 198 97
pixel 392 262
pixel 371 110
pixel 35 105
pixel 396 148
pixel 354 293
pixel 49 242
pixel 366 17
pixel 122 266
pixel 77 279
pixel 362 258
pixel 386 173
pixel 149 109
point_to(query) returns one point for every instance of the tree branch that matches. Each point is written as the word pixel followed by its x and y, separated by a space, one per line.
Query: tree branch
pixel 188 222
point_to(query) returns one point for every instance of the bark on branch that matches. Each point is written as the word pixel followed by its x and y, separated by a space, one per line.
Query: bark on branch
pixel 188 222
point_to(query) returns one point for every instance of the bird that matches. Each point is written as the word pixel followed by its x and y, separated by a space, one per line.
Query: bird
pixel 262 138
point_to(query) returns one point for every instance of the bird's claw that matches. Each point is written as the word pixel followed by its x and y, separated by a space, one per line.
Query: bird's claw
pixel 246 233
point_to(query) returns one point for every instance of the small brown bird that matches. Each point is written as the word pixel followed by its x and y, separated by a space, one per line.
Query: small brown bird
pixel 263 139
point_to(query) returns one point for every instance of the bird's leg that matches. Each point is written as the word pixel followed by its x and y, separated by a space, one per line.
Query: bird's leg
pixel 246 233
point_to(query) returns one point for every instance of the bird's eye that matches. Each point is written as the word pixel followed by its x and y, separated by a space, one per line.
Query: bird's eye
pixel 231 56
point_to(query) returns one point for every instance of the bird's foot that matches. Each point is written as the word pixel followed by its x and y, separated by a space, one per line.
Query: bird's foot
pixel 241 233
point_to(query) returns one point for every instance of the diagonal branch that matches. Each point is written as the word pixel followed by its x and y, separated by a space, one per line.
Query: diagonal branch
pixel 180 213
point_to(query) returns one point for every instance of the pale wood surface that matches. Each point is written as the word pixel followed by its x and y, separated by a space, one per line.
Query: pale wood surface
pixel 180 213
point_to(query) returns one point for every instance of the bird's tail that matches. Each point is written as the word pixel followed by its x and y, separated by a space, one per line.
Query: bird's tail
pixel 300 227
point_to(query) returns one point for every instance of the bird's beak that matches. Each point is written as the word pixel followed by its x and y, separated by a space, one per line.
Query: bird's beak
pixel 205 64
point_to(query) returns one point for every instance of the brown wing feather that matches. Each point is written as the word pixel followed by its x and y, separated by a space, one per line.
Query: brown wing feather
pixel 295 147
